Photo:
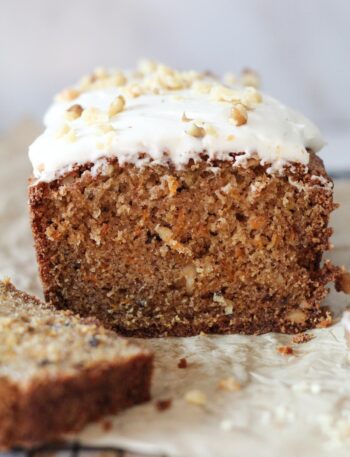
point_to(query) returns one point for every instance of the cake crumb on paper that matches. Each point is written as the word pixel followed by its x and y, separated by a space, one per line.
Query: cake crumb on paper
pixel 182 363
pixel 230 384
pixel 196 397
pixel 285 350
pixel 163 405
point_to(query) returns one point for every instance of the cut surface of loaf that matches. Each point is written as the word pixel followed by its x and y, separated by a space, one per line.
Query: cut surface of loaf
pixel 165 252
pixel 59 372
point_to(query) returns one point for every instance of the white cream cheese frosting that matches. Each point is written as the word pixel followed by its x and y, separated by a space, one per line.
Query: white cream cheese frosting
pixel 163 116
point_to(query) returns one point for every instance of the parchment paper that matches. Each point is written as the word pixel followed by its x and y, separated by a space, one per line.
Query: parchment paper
pixel 287 406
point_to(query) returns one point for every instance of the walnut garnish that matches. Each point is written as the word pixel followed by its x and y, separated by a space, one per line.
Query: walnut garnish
pixel 65 132
pixel 133 90
pixel 230 384
pixel 116 106
pixel 250 78
pixel 230 137
pixel 196 397
pixel 196 131
pixel 211 130
pixel 71 136
pixel 251 97
pixel 222 93
pixel 62 131
pixel 239 114
pixel 67 95
pixel 147 66
pixel 74 112
pixel 100 73
pixel 93 115
pixel 230 78
pixel 201 87
pixel 118 78
pixel 184 118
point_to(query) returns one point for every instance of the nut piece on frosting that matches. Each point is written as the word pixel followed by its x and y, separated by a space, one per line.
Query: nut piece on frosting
pixel 116 106
pixel 74 112
pixel 250 78
pixel 196 131
pixel 239 114
pixel 67 95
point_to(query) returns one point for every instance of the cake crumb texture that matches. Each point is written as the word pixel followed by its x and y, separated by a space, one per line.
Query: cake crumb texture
pixel 209 248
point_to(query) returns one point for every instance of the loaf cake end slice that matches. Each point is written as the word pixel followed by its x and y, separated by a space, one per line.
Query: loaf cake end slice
pixel 59 372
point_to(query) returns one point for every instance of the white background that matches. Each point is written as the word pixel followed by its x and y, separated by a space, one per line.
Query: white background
pixel 301 48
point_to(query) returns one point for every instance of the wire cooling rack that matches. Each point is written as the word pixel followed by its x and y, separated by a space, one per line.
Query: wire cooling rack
pixel 76 450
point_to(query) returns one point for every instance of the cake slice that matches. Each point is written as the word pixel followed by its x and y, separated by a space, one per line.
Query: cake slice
pixel 168 203
pixel 59 372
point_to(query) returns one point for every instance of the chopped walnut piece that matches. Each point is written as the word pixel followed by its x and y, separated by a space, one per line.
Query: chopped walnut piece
pixel 230 384
pixel 196 131
pixel 239 114
pixel 301 338
pixel 147 66
pixel 182 363
pixel 342 283
pixel 74 112
pixel 230 78
pixel 221 93
pixel 118 78
pixel 184 118
pixel 251 97
pixel 250 78
pixel 93 115
pixel 67 95
pixel 230 137
pixel 201 87
pixel 285 350
pixel 211 130
pixel 62 131
pixel 116 106
pixel 71 136
pixel 100 73
pixel 196 397
pixel 163 405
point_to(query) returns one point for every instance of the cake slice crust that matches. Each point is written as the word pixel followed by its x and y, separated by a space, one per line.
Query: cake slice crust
pixel 59 372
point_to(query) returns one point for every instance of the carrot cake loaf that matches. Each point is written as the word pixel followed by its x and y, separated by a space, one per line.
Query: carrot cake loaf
pixel 172 202
pixel 58 372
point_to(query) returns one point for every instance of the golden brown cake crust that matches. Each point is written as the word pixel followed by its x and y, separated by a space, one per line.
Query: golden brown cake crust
pixel 40 408
pixel 209 248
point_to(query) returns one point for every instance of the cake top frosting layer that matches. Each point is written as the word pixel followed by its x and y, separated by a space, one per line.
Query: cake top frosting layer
pixel 160 115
